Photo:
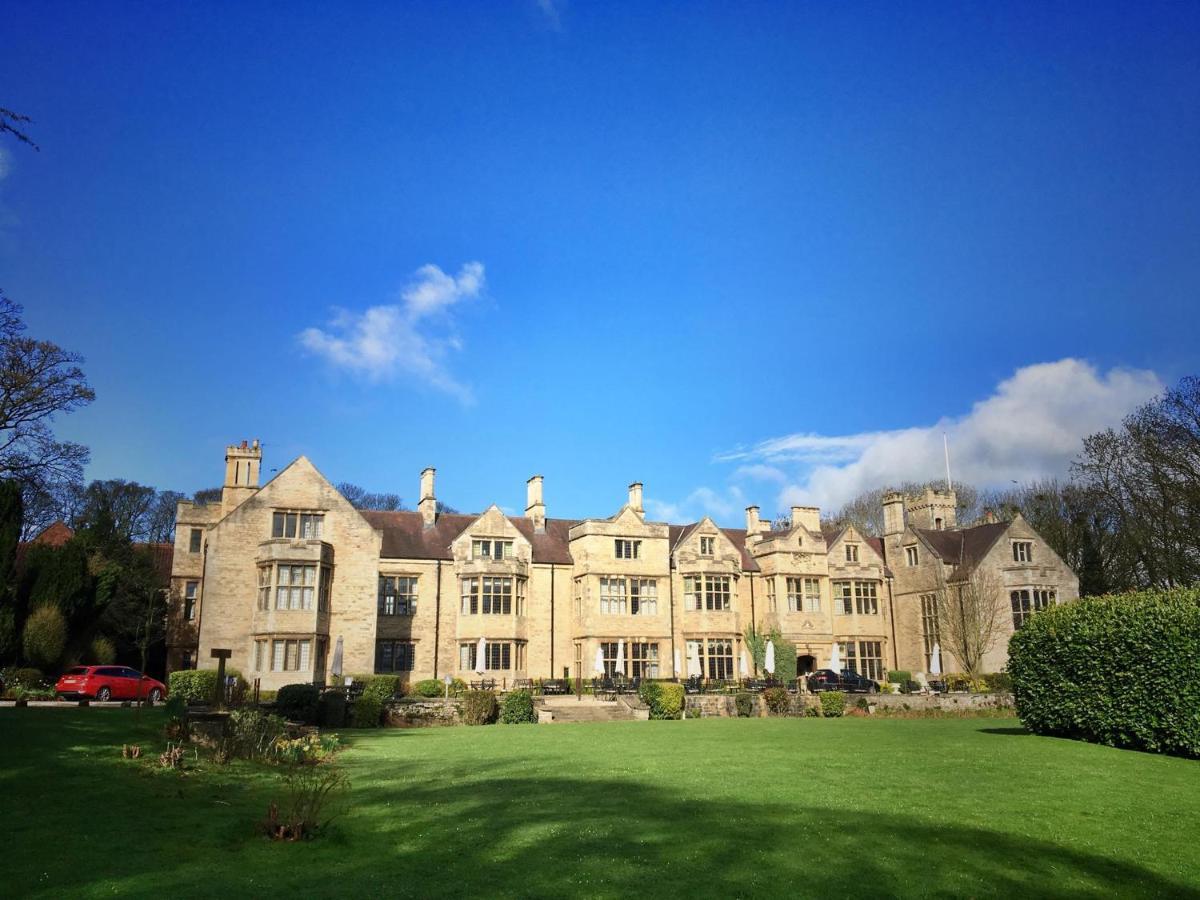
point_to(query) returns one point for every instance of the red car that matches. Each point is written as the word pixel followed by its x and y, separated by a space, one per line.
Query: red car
pixel 109 683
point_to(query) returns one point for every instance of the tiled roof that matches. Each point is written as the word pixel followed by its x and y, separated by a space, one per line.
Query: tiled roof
pixel 406 537
pixel 963 547
pixel 54 535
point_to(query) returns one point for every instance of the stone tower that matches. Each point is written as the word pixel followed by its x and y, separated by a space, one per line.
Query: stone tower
pixel 242 464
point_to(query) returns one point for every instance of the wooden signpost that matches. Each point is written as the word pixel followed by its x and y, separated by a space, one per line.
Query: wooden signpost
pixel 220 656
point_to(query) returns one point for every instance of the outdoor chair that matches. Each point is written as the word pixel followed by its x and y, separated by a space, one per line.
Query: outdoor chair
pixel 692 685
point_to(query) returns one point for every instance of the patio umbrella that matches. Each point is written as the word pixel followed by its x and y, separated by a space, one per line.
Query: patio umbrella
pixel 481 657
pixel 745 663
pixel 835 658
pixel 769 664
pixel 619 668
pixel 678 668
pixel 599 660
pixel 335 668
pixel 935 660
pixel 693 651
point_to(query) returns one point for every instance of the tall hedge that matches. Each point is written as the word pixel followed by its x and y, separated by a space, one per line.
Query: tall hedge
pixel 1122 670
pixel 196 685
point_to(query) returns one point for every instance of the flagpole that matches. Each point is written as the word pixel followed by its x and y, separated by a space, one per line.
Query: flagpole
pixel 946 449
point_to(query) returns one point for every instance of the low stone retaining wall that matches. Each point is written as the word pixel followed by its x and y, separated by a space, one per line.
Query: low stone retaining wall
pixel 422 713
pixel 723 705
pixel 943 702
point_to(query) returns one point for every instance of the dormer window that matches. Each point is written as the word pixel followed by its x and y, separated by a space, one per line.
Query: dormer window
pixel 490 549
pixel 1022 551
pixel 306 526
pixel 624 549
pixel 852 553
pixel 911 557
pixel 708 545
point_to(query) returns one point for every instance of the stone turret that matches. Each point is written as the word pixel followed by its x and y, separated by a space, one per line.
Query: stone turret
pixel 242 464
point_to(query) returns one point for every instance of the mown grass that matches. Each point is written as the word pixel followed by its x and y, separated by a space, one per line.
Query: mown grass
pixel 796 807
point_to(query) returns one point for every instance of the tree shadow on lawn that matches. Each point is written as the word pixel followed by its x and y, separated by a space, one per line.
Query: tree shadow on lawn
pixel 1018 731
pixel 413 829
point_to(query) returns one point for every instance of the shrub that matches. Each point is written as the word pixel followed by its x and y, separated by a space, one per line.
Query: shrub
pixel 833 703
pixel 104 651
pixel 863 704
pixel 899 676
pixel 744 704
pixel 382 687
pixel 25 677
pixel 312 799
pixel 479 707
pixel 298 702
pixel 664 698
pixel 434 687
pixel 1122 670
pixel 368 710
pixel 517 708
pixel 197 685
pixel 251 734
pixel 778 701
pixel 176 709
pixel 45 635
pixel 999 682
pixel 331 709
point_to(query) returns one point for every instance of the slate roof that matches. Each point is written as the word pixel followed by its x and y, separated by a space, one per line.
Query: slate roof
pixel 406 537
pixel 963 548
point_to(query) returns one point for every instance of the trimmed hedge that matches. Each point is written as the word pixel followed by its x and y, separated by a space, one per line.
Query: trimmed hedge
pixel 368 711
pixel 664 698
pixel 833 703
pixel 298 702
pixel 517 708
pixel 331 709
pixel 899 676
pixel 27 677
pixel 382 687
pixel 433 688
pixel 1121 670
pixel 196 685
pixel 479 707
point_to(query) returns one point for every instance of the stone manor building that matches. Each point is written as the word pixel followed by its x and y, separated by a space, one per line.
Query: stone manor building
pixel 278 574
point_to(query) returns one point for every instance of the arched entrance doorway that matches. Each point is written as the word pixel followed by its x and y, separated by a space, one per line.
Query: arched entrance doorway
pixel 806 664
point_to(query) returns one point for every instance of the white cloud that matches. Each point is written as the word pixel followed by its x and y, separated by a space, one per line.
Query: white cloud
pixel 1030 427
pixel 400 339
pixel 723 506
pixel 760 472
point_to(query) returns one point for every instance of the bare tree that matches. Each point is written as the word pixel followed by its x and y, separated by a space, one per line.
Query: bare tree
pixel 13 123
pixel 38 380
pixel 363 499
pixel 971 615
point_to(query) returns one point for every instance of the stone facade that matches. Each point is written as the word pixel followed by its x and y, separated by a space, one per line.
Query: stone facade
pixel 279 574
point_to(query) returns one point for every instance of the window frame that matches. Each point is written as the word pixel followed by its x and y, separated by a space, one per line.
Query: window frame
pixel 191 593
pixel 1022 551
pixel 627 548
pixel 291 524
pixel 912 557
pixel 852 553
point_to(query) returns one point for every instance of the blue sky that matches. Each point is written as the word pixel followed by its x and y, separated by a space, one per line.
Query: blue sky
pixel 754 253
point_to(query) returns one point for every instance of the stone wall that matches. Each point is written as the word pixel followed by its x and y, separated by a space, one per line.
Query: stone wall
pixel 422 713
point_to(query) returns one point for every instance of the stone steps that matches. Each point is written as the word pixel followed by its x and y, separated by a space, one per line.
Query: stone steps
pixel 570 709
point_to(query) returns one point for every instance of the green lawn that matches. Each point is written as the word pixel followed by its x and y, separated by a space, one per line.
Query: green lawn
pixel 714 807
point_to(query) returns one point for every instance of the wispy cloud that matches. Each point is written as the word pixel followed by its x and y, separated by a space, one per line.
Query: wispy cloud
pixel 552 10
pixel 1030 427
pixel 411 338
pixel 721 505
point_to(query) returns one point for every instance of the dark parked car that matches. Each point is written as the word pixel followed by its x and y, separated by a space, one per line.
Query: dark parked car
pixel 109 683
pixel 847 680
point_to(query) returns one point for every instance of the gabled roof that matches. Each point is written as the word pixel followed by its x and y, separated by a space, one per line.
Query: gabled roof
pixel 963 548
pixel 406 537
pixel 54 535
pixel 737 536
